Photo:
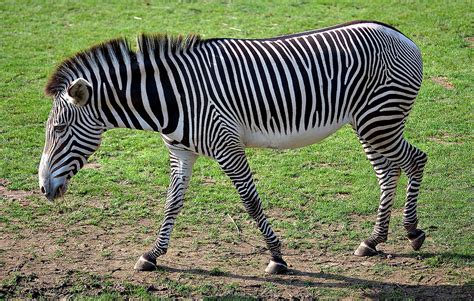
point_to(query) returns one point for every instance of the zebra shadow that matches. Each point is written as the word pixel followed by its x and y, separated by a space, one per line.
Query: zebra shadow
pixel 465 259
pixel 370 288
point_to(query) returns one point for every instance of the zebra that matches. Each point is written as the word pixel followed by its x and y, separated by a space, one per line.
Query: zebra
pixel 215 97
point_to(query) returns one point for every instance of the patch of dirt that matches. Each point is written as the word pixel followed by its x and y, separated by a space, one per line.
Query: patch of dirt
pixel 470 42
pixel 208 181
pixel 445 138
pixel 59 260
pixel 343 195
pixel 92 166
pixel 443 82
pixel 20 195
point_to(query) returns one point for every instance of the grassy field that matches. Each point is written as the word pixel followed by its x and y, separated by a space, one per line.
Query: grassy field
pixel 321 199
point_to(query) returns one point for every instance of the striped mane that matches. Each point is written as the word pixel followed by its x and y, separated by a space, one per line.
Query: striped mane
pixel 113 50
pixel 164 42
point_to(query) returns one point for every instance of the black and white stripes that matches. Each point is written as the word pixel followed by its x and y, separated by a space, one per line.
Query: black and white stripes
pixel 215 97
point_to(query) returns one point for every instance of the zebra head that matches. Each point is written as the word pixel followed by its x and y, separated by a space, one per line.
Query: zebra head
pixel 73 133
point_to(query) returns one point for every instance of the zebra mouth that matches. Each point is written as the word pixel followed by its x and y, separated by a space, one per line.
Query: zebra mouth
pixel 60 191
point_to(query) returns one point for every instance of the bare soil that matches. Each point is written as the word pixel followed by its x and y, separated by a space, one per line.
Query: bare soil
pixel 443 82
pixel 20 195
pixel 60 260
pixel 470 42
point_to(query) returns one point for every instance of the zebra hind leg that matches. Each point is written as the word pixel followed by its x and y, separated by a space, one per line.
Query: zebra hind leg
pixel 412 161
pixel 414 172
pixel 181 168
pixel 235 165
pixel 388 175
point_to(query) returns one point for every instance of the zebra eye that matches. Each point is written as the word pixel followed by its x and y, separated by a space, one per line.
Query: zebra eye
pixel 58 128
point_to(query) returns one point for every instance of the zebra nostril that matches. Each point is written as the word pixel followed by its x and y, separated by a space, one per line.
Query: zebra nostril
pixel 43 191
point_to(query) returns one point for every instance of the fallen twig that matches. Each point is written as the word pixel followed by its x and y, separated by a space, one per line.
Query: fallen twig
pixel 235 224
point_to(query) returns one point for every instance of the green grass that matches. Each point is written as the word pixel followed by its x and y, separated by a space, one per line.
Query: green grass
pixel 305 191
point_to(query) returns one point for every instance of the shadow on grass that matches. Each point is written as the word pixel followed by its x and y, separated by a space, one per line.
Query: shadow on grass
pixel 377 288
pixel 468 259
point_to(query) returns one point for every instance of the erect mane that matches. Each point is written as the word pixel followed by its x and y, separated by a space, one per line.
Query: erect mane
pixel 111 50
pixel 165 42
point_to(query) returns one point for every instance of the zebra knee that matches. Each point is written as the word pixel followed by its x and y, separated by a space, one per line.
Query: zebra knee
pixel 417 165
pixel 422 160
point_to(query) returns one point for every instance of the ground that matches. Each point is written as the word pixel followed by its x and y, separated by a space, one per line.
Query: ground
pixel 59 261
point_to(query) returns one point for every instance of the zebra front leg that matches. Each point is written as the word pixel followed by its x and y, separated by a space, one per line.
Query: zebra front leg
pixel 235 165
pixel 388 175
pixel 181 163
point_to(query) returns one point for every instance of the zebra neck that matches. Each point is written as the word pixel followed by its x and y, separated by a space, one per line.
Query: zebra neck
pixel 120 110
pixel 141 101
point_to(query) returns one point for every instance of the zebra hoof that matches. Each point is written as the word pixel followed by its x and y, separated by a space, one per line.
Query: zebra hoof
pixel 365 250
pixel 276 266
pixel 143 264
pixel 416 239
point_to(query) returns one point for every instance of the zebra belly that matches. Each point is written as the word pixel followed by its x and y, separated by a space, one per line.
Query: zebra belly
pixel 252 138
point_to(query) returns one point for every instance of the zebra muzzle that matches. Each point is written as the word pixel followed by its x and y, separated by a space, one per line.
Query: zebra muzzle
pixel 54 192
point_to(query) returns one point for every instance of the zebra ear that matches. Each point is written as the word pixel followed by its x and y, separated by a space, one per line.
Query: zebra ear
pixel 79 92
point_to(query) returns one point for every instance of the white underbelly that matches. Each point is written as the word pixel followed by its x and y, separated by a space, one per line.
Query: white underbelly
pixel 293 140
